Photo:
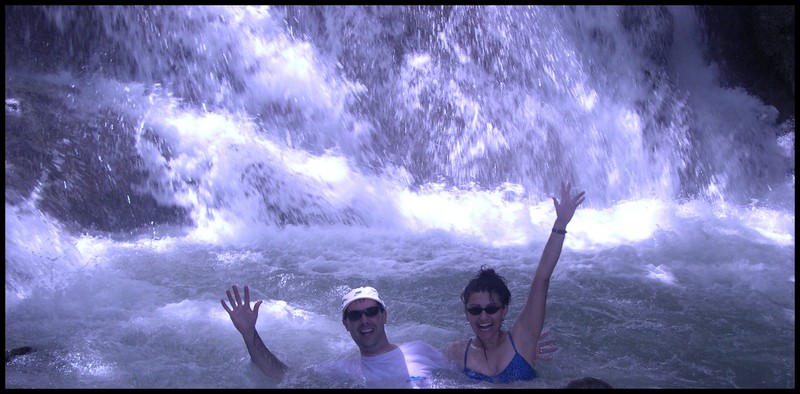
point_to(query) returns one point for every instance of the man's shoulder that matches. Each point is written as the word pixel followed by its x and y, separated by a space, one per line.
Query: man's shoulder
pixel 416 344
pixel 421 352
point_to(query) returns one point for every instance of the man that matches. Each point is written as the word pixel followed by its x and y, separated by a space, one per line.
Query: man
pixel 364 316
pixel 385 364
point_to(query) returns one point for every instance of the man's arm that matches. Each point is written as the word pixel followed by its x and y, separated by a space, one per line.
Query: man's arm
pixel 244 319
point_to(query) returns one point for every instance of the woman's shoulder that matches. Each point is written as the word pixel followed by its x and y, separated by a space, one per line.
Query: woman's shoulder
pixel 454 351
pixel 461 343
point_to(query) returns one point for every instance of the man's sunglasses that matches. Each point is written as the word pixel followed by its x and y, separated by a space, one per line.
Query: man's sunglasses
pixel 369 312
pixel 476 310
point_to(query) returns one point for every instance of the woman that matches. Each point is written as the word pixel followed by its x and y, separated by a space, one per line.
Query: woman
pixel 499 356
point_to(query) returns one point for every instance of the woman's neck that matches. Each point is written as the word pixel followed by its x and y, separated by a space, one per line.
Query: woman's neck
pixel 494 341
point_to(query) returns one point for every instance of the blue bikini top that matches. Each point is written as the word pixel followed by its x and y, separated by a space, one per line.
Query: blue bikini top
pixel 517 369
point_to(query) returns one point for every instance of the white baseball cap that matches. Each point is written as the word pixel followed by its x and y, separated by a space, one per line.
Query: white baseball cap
pixel 361 293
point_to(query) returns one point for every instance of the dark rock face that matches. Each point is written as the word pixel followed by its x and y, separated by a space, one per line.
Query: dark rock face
pixel 87 180
pixel 754 46
pixel 17 351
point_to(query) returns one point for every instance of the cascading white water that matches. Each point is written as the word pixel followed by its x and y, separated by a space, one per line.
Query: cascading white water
pixel 157 155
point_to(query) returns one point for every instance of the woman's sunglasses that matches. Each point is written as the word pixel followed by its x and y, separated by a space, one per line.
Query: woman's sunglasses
pixel 476 310
pixel 369 312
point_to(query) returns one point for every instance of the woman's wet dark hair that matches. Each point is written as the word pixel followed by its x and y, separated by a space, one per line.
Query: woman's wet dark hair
pixel 487 280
